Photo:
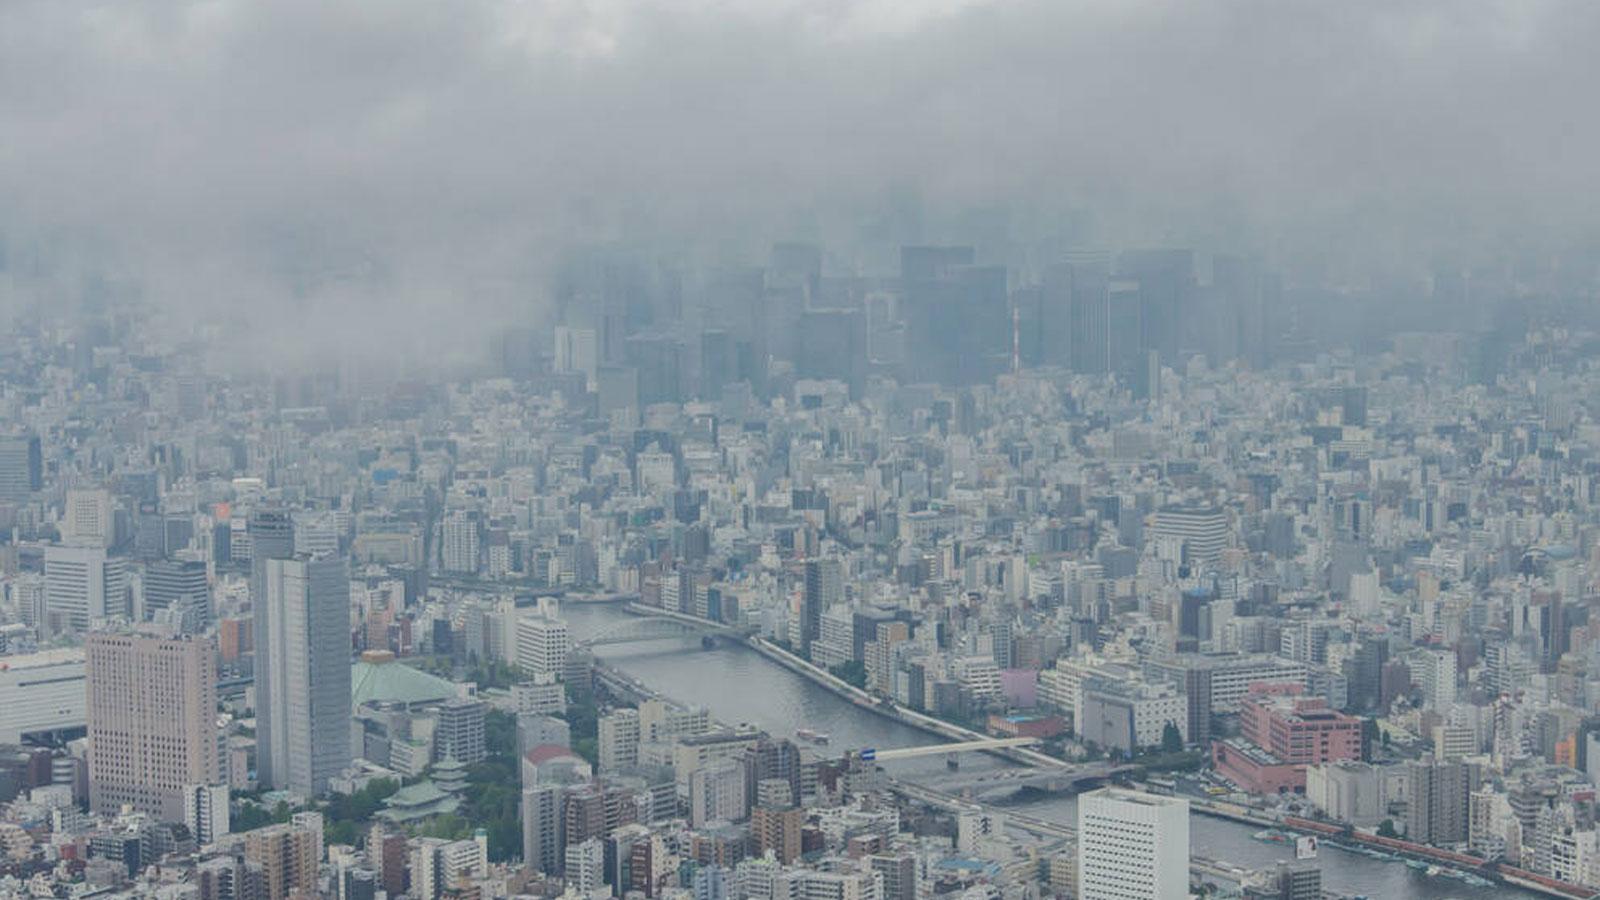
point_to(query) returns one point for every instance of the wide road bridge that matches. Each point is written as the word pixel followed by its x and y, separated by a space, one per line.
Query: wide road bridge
pixel 872 755
pixel 995 782
pixel 655 624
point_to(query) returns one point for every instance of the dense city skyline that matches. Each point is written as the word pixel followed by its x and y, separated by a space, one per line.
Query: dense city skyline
pixel 882 450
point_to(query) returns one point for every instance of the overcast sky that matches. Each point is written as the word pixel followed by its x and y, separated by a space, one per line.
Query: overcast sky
pixel 231 148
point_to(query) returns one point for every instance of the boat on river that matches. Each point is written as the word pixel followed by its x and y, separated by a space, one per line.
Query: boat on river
pixel 815 737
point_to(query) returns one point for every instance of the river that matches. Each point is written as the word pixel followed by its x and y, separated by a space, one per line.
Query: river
pixel 739 685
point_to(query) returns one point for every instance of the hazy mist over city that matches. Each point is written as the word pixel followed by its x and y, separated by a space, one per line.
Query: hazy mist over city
pixel 799 449
pixel 417 167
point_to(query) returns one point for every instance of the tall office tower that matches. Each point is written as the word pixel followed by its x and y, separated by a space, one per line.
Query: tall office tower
pixel 542 645
pixel 617 388
pixel 1437 800
pixel 458 549
pixel 520 352
pixel 1076 316
pixel 1125 355
pixel 152 720
pixel 1242 289
pixel 21 467
pixel 1554 635
pixel 88 518
pixel 1132 846
pixel 1203 532
pixel 734 298
pixel 1166 290
pixel 176 591
pixel 1363 670
pixel 287 855
pixel 270 534
pixel 577 350
pixel 958 316
pixel 719 362
pixel 303 656
pixel 1032 318
pixel 833 345
pixel 83 585
pixel 543 828
pixel 795 263
pixel 661 360
pixel 618 740
pixel 824 587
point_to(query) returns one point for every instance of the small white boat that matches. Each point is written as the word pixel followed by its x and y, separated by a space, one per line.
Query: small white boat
pixel 815 737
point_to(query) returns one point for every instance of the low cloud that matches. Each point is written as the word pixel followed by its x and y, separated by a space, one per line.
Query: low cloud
pixel 427 161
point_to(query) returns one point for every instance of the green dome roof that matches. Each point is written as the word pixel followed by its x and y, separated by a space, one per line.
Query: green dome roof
pixel 377 677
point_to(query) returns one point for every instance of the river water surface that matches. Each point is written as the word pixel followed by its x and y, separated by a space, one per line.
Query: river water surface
pixel 739 685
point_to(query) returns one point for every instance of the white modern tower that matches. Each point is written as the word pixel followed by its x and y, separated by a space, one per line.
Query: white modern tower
pixel 1132 846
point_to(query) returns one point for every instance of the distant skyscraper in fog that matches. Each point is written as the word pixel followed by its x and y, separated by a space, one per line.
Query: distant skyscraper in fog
pixel 577 350
pixel 21 467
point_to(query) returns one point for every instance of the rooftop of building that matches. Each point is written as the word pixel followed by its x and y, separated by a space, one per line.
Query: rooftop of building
pixel 378 678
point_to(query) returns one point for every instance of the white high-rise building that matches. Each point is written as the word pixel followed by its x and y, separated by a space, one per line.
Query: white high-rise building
pixel 586 867
pixel 1436 675
pixel 303 654
pixel 82 586
pixel 459 550
pixel 717 793
pixel 1132 846
pixel 979 677
pixel 438 865
pixel 617 740
pixel 205 811
pixel 88 520
pixel 1203 533
pixel 542 645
